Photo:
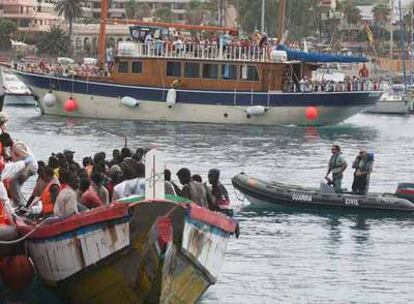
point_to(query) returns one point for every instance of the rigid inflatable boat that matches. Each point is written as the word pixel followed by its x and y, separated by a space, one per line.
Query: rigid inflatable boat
pixel 264 193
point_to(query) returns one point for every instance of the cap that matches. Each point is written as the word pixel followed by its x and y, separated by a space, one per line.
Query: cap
pixel 66 151
pixel 115 169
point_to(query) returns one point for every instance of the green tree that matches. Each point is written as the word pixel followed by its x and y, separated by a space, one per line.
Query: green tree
pixel 71 10
pixel 164 14
pixel 7 30
pixel 196 11
pixel 350 10
pixel 381 13
pixel 137 10
pixel 54 42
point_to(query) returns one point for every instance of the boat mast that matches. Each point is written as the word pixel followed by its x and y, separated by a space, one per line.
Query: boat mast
pixel 402 29
pixel 281 19
pixel 102 32
pixel 391 29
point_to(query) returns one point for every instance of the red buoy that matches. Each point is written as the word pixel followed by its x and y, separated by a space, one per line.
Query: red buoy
pixel 311 113
pixel 17 272
pixel 70 105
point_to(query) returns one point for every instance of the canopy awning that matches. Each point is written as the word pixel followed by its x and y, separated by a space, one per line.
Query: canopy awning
pixel 319 57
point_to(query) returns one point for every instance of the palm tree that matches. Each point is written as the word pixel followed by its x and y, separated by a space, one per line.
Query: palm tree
pixel 55 42
pixel 137 10
pixel 195 12
pixel 71 10
pixel 164 14
pixel 381 13
pixel 351 12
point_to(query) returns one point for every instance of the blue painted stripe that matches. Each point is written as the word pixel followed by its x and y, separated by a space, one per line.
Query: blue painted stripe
pixel 81 231
pixel 338 99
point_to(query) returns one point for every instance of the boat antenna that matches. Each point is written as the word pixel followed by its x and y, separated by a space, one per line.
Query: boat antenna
pixel 281 19
pixel 102 33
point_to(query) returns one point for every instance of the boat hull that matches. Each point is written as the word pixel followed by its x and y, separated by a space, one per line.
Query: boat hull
pixel 103 100
pixel 401 107
pixel 267 194
pixel 114 262
pixel 19 100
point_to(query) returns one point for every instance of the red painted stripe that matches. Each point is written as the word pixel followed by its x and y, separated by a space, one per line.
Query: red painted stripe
pixel 216 219
pixel 97 215
pixel 165 232
pixel 405 191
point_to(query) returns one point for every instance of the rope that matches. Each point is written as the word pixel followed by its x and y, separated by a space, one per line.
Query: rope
pixel 29 233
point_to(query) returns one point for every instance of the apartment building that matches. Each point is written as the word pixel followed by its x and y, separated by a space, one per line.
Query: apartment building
pixel 29 15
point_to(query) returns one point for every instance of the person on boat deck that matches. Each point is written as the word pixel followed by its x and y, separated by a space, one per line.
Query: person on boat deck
pixel 97 180
pixel 218 191
pixel 20 151
pixel 68 154
pixel 363 168
pixel 363 71
pixel 66 202
pixel 89 197
pixel 168 185
pixel 9 171
pixel 88 165
pixel 192 190
pixel 115 175
pixel 53 163
pixel 134 182
pixel 337 166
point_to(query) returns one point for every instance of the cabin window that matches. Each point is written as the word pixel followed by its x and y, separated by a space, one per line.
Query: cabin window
pixel 210 71
pixel 249 73
pixel 137 67
pixel 192 70
pixel 173 69
pixel 228 72
pixel 123 67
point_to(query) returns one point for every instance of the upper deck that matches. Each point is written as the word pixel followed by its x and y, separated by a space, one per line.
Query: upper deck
pixel 203 52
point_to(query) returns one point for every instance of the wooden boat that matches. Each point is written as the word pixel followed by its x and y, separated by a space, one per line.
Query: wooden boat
pixel 226 84
pixel 134 251
pixel 264 193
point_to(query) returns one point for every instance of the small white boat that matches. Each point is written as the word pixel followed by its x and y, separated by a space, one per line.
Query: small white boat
pixel 394 101
pixel 16 92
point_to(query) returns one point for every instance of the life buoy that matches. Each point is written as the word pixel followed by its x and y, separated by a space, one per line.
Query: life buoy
pixel 171 97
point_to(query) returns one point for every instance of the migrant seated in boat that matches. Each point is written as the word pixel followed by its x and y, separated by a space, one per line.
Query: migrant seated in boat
pixel 89 197
pixel 67 202
pixel 218 191
pixel 134 182
pixel 193 190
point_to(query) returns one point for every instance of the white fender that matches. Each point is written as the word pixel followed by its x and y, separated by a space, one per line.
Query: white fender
pixel 171 97
pixel 130 101
pixel 256 110
pixel 49 100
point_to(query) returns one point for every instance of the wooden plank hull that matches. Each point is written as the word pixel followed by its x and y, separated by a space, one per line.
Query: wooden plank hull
pixel 122 261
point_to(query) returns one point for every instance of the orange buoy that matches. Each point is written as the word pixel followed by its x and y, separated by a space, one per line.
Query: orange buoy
pixel 70 105
pixel 311 113
pixel 17 272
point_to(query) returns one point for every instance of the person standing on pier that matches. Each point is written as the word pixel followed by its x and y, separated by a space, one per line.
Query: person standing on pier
pixel 337 165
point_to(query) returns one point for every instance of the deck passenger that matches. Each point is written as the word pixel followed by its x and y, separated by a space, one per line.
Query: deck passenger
pixel 89 197
pixel 218 191
pixel 363 168
pixel 50 192
pixel 337 166
pixel 66 202
pixel 192 190
pixel 169 183
pixel 20 151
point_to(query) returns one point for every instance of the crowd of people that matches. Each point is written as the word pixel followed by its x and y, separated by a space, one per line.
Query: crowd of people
pixel 66 187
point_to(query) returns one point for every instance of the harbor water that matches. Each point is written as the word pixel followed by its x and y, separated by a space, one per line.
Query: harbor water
pixel 281 256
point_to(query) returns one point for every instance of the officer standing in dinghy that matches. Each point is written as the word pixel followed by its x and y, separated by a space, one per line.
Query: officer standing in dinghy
pixel 337 166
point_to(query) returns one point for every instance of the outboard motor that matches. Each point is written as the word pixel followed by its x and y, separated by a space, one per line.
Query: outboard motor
pixel 405 190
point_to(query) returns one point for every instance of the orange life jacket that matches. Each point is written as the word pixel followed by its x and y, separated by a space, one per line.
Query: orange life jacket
pixel 46 198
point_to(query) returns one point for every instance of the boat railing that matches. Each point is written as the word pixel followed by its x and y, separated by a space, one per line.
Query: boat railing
pixel 252 53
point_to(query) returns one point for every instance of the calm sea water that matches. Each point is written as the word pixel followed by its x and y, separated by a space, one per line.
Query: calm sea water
pixel 281 256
